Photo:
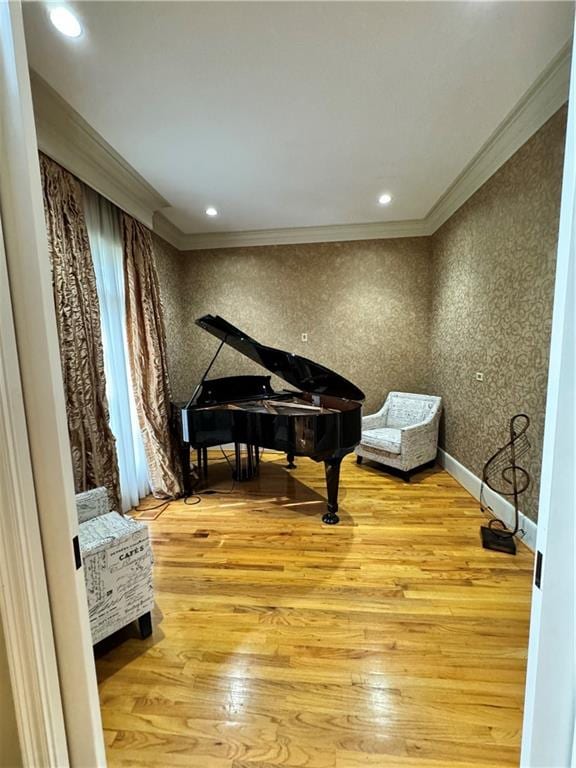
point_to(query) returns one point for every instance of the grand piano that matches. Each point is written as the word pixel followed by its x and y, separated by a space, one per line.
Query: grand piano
pixel 320 418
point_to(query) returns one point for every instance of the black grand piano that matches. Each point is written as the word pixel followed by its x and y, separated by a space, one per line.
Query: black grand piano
pixel 321 418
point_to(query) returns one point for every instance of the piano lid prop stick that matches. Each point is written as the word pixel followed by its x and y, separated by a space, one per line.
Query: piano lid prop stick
pixel 206 372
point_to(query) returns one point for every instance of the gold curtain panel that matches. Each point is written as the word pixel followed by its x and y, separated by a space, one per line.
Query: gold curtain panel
pixel 148 359
pixel 92 443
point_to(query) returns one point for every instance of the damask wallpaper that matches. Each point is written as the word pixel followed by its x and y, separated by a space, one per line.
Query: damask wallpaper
pixel 493 281
pixel 171 265
pixel 414 314
pixel 364 306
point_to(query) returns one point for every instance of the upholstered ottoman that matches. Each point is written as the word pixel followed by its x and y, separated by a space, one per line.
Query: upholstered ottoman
pixel 117 560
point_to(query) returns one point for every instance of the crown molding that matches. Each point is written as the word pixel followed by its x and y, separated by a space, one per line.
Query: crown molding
pixel 545 97
pixel 67 138
pixel 164 228
pixel 294 235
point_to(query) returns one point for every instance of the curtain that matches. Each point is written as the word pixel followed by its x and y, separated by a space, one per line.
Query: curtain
pixel 103 222
pixel 92 443
pixel 147 350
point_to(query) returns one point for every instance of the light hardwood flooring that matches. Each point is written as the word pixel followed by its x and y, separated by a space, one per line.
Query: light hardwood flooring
pixel 392 639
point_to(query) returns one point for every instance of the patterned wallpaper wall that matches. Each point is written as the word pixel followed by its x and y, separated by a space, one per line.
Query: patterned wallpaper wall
pixel 415 314
pixel 364 306
pixel 172 266
pixel 491 311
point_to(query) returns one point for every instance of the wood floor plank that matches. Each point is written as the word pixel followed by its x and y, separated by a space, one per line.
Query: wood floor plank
pixel 391 640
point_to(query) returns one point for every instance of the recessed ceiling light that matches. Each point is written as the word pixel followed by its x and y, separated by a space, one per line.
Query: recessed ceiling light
pixel 211 211
pixel 65 22
pixel 385 199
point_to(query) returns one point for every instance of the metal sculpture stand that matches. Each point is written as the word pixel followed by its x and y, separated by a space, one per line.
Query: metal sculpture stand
pixel 505 476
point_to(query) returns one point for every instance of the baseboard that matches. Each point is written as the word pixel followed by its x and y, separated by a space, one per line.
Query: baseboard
pixel 501 506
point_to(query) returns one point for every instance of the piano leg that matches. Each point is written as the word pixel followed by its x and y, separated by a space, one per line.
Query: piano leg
pixel 332 467
pixel 237 475
pixel 186 473
pixel 290 460
pixel 255 459
pixel 249 464
pixel 202 465
pixel 245 469
pixel 205 464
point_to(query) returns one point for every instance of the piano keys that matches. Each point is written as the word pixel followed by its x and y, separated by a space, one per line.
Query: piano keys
pixel 320 418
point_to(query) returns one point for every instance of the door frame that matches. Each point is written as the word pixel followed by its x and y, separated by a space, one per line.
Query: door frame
pixel 550 695
pixel 24 602
pixel 44 596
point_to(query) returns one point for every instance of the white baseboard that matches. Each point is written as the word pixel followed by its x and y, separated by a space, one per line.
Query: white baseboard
pixel 501 506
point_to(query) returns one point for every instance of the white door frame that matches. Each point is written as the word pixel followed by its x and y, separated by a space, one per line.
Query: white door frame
pixel 24 604
pixel 30 374
pixel 549 709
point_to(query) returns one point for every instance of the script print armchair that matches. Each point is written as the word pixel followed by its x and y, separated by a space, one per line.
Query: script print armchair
pixel 117 560
pixel 403 434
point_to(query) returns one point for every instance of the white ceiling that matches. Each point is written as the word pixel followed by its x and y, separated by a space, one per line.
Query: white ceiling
pixel 292 114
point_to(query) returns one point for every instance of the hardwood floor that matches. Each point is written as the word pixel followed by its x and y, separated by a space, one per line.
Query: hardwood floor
pixel 392 639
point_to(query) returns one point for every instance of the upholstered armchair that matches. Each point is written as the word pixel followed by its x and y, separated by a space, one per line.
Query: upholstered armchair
pixel 117 559
pixel 403 434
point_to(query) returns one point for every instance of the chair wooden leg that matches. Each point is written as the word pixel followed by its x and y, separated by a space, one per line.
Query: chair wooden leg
pixel 359 459
pixel 145 625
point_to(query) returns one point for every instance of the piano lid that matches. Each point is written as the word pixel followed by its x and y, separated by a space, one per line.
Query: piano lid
pixel 304 374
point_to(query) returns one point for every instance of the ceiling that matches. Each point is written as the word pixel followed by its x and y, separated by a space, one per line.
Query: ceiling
pixel 297 114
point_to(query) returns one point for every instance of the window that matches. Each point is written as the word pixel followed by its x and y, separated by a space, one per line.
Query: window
pixel 103 225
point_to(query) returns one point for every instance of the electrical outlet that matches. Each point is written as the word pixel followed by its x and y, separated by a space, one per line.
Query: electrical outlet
pixel 479 376
pixel 304 337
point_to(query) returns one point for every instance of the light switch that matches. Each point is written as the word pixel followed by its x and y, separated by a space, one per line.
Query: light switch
pixel 479 376
pixel 304 337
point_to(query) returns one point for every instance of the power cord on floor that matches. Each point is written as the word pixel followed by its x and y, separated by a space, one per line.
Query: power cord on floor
pixel 162 506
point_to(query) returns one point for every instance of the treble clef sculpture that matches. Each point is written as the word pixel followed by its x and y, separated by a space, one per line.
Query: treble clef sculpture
pixel 505 476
